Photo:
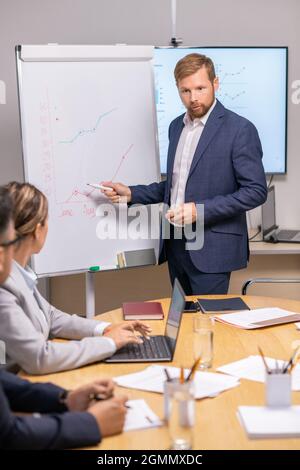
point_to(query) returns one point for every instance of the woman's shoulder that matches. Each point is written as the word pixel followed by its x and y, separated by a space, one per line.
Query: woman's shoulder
pixel 14 285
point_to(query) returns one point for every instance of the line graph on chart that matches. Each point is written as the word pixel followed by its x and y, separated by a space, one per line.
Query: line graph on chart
pixel 232 86
pixel 84 132
pixel 78 156
pixel 80 196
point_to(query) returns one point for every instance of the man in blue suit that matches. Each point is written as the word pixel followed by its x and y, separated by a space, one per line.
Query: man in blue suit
pixel 69 418
pixel 214 160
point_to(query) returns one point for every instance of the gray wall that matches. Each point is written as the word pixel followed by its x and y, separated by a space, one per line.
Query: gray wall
pixel 200 22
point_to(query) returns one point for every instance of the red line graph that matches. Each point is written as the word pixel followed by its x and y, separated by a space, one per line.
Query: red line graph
pixel 77 195
pixel 121 162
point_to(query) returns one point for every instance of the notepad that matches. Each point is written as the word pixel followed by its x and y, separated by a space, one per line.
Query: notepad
pixel 152 378
pixel 222 305
pixel 258 318
pixel 140 416
pixel 262 422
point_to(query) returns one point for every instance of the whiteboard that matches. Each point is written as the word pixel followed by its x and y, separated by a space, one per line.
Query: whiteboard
pixel 88 115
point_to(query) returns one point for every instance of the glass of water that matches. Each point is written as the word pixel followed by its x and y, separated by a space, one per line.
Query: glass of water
pixel 181 414
pixel 203 337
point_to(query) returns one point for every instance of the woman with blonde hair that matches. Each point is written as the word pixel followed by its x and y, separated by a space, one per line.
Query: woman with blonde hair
pixel 28 321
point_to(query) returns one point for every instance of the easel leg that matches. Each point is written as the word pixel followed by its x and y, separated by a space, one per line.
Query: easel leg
pixel 89 295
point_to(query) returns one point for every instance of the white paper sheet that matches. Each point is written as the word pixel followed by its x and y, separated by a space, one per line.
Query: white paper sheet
pixel 252 368
pixel 207 384
pixel 248 319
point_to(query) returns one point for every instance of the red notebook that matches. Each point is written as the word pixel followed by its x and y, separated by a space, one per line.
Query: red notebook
pixel 142 311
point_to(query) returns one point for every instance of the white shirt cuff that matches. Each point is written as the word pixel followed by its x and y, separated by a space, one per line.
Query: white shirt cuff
pixel 100 327
pixel 113 344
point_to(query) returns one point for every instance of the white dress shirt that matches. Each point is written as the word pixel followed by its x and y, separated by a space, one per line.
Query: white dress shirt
pixel 185 152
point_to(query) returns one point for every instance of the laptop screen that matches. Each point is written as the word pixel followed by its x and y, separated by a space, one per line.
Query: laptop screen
pixel 268 219
pixel 175 314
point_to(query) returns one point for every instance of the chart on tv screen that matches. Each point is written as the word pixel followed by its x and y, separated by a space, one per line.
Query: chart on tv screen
pixel 252 84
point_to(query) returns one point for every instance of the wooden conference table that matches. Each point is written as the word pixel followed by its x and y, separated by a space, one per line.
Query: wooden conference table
pixel 217 424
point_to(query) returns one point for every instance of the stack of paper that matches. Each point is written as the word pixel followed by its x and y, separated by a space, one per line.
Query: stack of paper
pixel 266 423
pixel 252 368
pixel 259 318
pixel 151 379
pixel 140 416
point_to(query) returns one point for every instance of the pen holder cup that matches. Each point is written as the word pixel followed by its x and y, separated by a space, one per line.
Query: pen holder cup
pixel 278 389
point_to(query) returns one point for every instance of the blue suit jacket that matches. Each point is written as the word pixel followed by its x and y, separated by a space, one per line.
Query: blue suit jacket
pixel 227 176
pixel 58 429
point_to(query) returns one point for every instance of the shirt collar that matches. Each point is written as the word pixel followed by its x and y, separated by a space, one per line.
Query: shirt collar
pixel 29 275
pixel 203 120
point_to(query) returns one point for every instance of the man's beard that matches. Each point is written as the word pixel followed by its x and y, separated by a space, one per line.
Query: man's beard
pixel 196 113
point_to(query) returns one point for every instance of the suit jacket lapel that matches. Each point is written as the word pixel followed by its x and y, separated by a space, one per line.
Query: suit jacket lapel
pixel 173 145
pixel 210 129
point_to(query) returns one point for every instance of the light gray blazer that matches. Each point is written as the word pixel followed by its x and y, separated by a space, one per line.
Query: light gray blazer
pixel 27 321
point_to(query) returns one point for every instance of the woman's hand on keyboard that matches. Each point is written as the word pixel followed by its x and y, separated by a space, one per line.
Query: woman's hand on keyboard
pixel 126 333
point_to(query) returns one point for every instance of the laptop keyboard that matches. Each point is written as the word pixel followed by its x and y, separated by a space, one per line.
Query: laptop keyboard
pixel 287 234
pixel 155 348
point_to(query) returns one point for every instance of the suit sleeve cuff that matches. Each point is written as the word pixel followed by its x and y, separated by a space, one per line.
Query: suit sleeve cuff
pixel 112 344
pixel 100 327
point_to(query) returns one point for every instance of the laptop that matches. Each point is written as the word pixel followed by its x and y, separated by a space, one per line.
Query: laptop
pixel 157 348
pixel 271 231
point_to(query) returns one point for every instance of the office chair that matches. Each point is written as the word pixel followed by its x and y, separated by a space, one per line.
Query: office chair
pixel 266 280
